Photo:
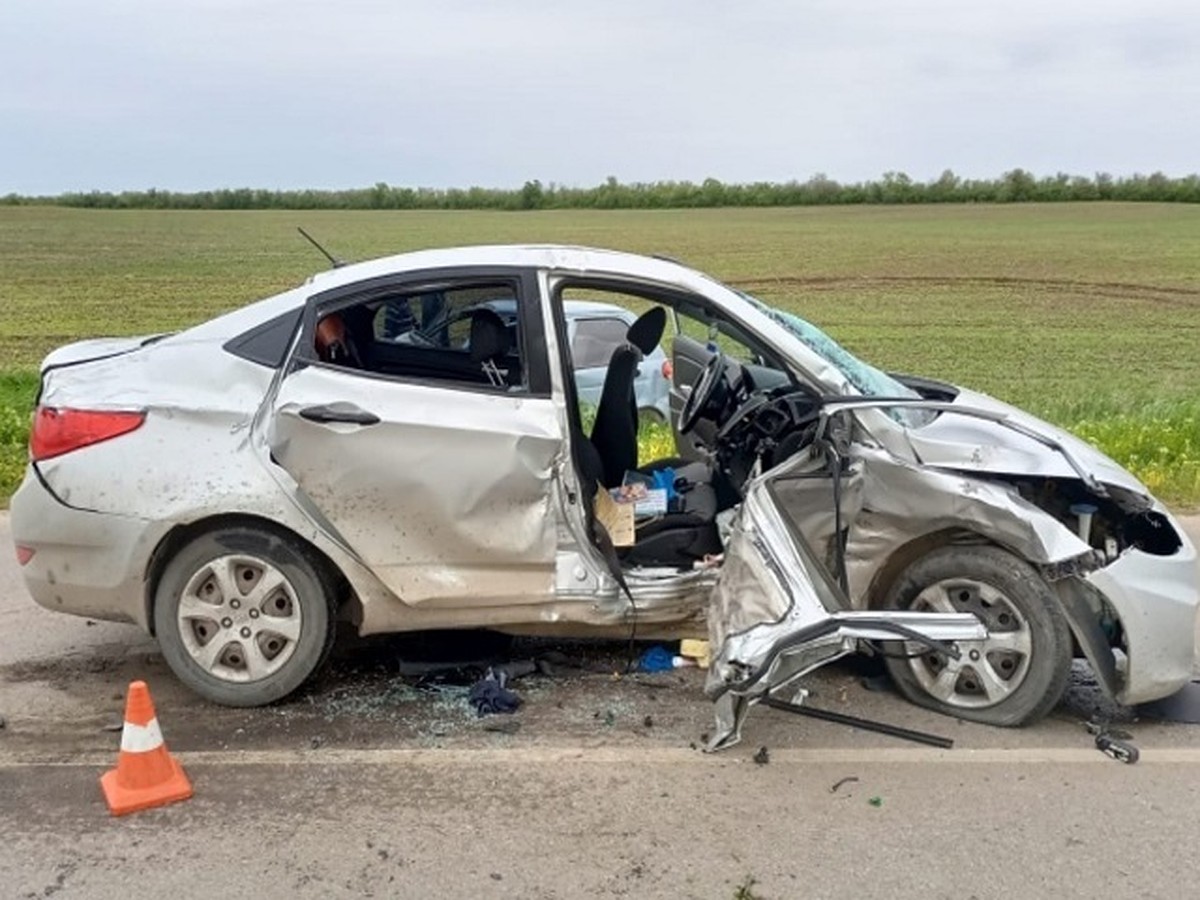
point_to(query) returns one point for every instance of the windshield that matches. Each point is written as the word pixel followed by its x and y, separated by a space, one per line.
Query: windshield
pixel 870 381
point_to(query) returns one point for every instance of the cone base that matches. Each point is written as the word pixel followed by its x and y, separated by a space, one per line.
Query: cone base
pixel 122 800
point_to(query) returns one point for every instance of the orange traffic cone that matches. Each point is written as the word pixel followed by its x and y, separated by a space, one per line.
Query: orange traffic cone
pixel 146 774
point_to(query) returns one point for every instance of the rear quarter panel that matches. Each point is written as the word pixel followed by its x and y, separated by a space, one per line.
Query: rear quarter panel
pixel 191 457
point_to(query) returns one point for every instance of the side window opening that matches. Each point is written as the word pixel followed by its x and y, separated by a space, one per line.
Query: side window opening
pixel 469 335
pixel 695 324
pixel 598 320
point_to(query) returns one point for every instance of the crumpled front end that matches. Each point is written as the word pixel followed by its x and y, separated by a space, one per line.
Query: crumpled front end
pixel 1121 566
pixel 1153 594
pixel 776 616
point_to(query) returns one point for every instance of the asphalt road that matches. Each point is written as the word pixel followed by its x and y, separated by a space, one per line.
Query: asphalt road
pixel 376 784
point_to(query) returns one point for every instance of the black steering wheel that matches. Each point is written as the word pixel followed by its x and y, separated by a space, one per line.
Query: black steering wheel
pixel 702 392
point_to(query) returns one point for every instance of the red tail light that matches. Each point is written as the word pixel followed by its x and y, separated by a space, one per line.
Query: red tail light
pixel 667 369
pixel 59 431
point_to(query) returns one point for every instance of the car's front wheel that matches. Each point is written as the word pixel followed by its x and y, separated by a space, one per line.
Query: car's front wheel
pixel 1014 677
pixel 244 615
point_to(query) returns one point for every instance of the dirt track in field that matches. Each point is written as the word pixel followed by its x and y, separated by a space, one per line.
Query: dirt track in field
pixel 1162 294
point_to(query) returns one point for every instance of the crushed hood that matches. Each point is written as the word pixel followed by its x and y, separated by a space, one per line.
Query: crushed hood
pixel 969 444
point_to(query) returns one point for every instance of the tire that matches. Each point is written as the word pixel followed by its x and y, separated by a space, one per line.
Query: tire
pixel 244 616
pixel 1019 673
pixel 649 415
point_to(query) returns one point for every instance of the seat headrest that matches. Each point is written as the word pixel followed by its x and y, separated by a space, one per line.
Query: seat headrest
pixel 647 331
pixel 489 336
pixel 330 337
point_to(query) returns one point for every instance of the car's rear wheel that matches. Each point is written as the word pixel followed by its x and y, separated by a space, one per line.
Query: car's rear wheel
pixel 1014 677
pixel 244 615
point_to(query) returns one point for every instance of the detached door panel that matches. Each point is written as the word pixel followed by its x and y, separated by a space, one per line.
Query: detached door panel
pixel 445 493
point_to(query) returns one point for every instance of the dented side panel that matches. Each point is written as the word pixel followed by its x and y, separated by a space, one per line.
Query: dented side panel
pixel 408 495
pixel 191 458
pixel 888 502
pixel 894 509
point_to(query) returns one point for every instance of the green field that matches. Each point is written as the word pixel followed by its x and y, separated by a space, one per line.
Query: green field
pixel 1087 314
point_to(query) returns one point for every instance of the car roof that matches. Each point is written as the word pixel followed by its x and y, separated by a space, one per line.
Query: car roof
pixel 560 257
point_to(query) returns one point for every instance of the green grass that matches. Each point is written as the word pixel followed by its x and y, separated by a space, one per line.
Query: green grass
pixel 1159 441
pixel 17 390
pixel 1086 314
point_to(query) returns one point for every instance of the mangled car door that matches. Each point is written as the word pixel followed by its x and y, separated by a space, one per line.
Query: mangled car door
pixel 417 423
pixel 777 613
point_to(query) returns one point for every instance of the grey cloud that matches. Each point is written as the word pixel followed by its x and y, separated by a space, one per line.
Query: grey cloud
pixel 205 93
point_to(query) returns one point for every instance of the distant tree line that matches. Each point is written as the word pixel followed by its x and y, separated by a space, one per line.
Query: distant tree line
pixel 1017 186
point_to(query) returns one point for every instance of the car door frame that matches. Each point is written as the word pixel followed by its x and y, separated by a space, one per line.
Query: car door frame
pixel 535 361
pixel 539 585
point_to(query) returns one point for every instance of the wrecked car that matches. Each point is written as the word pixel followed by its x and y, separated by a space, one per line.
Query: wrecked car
pixel 380 446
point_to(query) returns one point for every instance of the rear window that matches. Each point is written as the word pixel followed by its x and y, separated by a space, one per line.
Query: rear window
pixel 595 340
pixel 267 344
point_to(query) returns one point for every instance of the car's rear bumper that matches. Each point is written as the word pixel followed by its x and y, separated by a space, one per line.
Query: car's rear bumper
pixel 84 563
pixel 1156 598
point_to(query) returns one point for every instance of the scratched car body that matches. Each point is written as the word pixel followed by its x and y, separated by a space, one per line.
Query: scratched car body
pixel 375 446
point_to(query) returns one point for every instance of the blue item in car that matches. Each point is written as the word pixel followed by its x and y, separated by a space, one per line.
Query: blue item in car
pixel 656 659
pixel 664 479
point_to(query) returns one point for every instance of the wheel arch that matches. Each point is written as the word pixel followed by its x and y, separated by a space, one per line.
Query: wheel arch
pixel 1082 622
pixel 182 534
pixel 650 411
pixel 907 553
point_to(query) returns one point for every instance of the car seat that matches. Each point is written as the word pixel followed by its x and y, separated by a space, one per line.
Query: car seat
pixel 614 432
pixel 490 345
pixel 680 536
pixel 333 342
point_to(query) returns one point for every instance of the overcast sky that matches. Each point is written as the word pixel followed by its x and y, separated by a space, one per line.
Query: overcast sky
pixel 193 94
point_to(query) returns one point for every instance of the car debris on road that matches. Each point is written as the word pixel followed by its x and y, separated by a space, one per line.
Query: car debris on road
pixel 489 695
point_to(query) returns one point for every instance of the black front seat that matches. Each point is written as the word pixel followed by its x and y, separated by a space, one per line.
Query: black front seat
pixel 614 433
pixel 679 537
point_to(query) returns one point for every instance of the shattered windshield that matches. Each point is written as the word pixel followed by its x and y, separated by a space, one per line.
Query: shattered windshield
pixel 870 381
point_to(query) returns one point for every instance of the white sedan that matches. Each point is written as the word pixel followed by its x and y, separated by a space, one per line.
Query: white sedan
pixel 379 446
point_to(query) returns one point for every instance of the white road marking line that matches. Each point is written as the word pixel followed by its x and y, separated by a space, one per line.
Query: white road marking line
pixel 621 755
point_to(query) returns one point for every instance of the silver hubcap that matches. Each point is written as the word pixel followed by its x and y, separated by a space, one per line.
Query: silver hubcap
pixel 239 618
pixel 987 671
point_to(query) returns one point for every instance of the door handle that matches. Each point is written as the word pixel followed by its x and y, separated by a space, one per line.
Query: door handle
pixel 346 413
